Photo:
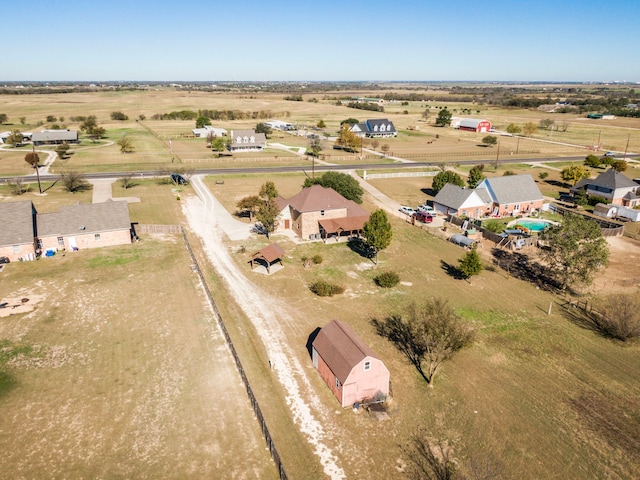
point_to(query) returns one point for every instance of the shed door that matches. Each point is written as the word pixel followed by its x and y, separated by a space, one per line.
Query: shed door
pixel 314 357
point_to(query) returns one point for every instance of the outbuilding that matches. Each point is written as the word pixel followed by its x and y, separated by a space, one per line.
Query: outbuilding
pixel 351 370
pixel 475 125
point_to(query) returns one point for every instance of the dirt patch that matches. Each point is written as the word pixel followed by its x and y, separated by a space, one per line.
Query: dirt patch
pixel 15 305
pixel 623 272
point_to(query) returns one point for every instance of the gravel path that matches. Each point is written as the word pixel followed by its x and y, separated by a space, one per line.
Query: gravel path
pixel 208 219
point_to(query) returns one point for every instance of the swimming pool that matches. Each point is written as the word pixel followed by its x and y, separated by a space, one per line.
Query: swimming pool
pixel 533 225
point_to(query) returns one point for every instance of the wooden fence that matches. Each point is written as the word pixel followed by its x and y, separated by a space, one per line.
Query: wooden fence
pixel 608 228
pixel 156 229
pixel 254 402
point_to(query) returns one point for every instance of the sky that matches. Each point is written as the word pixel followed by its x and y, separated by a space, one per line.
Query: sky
pixel 330 40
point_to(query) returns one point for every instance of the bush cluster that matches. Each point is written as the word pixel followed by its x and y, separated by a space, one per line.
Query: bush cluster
pixel 387 279
pixel 325 289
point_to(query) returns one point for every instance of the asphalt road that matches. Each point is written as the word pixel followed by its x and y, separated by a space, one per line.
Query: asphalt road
pixel 318 168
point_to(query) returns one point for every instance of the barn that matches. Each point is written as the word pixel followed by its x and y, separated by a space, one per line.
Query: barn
pixel 475 125
pixel 351 370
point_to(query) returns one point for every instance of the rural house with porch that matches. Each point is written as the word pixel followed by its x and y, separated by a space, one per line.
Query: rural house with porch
pixel 613 186
pixel 247 141
pixel 351 370
pixel 375 128
pixel 318 212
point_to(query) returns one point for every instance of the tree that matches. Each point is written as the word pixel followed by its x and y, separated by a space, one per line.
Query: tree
pixel 126 146
pixel 74 181
pixel 529 129
pixel 426 334
pixel 385 148
pixel 263 128
pixel 475 176
pixel 118 116
pixel 344 184
pixel 62 150
pixel 348 140
pixel 444 118
pixel 268 191
pixel 267 214
pixel 619 165
pixel 249 204
pixel 17 186
pixel 15 138
pixel 98 133
pixel 592 161
pixel 321 124
pixel 543 175
pixel 575 250
pixel 91 128
pixel 23 120
pixel 127 181
pixel 377 232
pixel 218 144
pixel 430 460
pixel 3 118
pixel 349 121
pixel 442 178
pixel 470 264
pixel 33 159
pixel 514 129
pixel 375 143
pixel 201 121
pixel 425 114
pixel 315 145
pixel 547 123
pixel 574 173
pixel 490 140
pixel 618 316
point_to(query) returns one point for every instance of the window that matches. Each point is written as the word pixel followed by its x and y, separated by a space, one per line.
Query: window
pixel 337 383
pixel 367 366
pixel 252 139
pixel 16 248
pixel 245 139
pixel 60 242
pixel 96 237
pixel 516 207
pixel 322 212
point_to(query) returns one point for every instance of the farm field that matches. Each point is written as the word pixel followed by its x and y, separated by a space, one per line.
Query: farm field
pixel 120 361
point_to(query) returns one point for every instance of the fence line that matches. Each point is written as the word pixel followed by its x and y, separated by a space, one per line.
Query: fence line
pixel 400 174
pixel 254 402
pixel 242 160
pixel 608 228
pixel 154 229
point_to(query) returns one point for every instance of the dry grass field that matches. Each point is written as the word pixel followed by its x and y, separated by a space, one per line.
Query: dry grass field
pixel 119 372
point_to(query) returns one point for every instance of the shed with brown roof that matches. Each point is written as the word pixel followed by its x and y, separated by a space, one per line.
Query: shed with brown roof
pixel 351 370
pixel 267 256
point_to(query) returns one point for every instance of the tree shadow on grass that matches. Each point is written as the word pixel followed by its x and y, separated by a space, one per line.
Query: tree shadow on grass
pixel 451 270
pixel 520 266
pixel 358 246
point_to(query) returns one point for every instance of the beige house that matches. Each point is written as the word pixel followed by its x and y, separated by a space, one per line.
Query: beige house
pixel 83 226
pixel 318 212
pixel 17 230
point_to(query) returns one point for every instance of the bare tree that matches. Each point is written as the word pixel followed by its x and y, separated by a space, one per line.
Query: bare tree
pixel 375 143
pixel 385 148
pixel 127 181
pixel 426 334
pixel 618 316
pixel 126 145
pixel 74 181
pixel 17 186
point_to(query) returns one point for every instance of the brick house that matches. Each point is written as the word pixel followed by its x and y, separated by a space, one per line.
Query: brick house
pixel 319 212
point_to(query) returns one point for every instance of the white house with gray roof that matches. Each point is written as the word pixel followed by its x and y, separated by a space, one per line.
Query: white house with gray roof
pixel 54 137
pixel 247 141
pixel 613 186
pixel 512 195
pixel 378 127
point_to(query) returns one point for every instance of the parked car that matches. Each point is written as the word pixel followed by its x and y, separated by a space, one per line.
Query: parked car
pixel 424 217
pixel 4 260
pixel 609 154
pixel 178 179
pixel 407 210
pixel 426 209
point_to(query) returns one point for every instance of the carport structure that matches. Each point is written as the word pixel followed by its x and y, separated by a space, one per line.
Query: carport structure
pixel 338 227
pixel 267 256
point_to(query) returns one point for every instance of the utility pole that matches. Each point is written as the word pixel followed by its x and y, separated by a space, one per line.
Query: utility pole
pixel 626 148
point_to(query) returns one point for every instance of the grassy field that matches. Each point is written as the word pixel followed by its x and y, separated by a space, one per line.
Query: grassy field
pixel 118 371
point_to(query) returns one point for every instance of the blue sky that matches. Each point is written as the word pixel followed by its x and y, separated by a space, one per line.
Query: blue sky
pixel 210 40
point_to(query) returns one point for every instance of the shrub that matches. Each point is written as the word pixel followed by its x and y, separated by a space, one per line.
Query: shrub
pixel 325 289
pixel 317 259
pixel 594 200
pixel 387 279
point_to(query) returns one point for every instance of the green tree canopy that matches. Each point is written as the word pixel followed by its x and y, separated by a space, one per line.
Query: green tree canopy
pixel 349 121
pixel 263 128
pixel 344 184
pixel 126 145
pixel 514 129
pixel 490 140
pixel 15 138
pixel 442 178
pixel 348 139
pixel 321 124
pixel 529 129
pixel 576 250
pixel 574 173
pixel 268 190
pixel 619 165
pixel 426 334
pixel 4 118
pixel 592 161
pixel 444 118
pixel 377 232
pixel 201 121
pixel 470 264
pixel 475 176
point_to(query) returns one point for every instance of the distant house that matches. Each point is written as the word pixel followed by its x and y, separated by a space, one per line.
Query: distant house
pixel 499 196
pixel 375 128
pixel 83 226
pixel 319 212
pixel 54 137
pixel 207 130
pixel 26 136
pixel 247 141
pixel 351 370
pixel 280 125
pixel 17 230
pixel 474 125
pixel 613 186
